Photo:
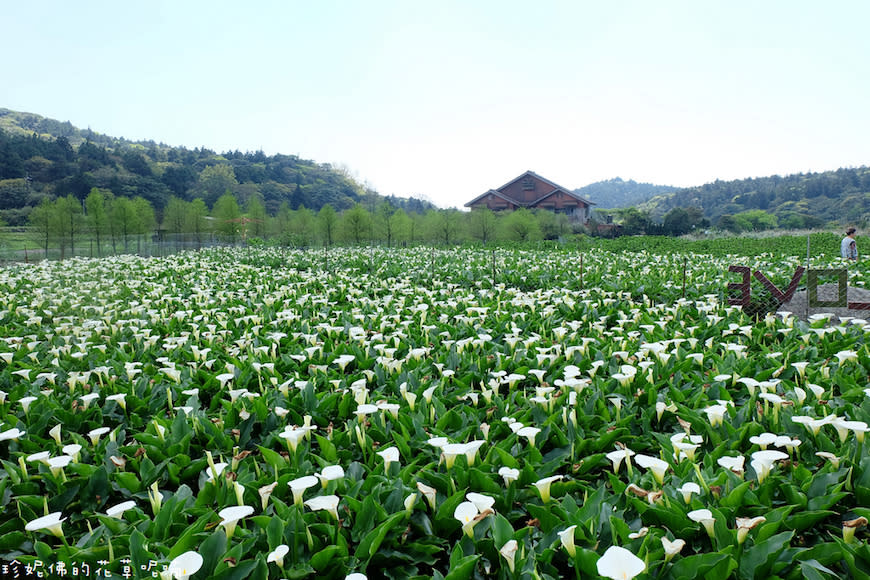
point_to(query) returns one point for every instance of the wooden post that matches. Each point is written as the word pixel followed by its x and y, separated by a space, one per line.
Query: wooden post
pixel 685 262
pixel 493 267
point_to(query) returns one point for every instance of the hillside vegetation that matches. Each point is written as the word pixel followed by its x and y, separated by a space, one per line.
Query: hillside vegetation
pixel 804 200
pixel 43 158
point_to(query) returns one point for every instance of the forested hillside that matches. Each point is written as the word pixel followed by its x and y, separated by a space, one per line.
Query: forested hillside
pixel 615 193
pixel 794 201
pixel 42 158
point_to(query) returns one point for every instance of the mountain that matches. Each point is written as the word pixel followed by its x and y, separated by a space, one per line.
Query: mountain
pixel 793 201
pixel 615 193
pixel 42 158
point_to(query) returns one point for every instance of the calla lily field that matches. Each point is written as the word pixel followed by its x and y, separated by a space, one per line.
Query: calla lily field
pixel 427 413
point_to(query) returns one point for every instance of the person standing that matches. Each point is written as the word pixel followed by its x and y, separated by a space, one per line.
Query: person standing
pixel 848 247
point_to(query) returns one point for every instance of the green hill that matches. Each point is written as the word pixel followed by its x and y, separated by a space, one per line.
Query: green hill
pixel 43 158
pixel 793 201
pixel 616 193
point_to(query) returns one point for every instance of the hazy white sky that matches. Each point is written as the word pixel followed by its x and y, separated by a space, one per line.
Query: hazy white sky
pixel 450 98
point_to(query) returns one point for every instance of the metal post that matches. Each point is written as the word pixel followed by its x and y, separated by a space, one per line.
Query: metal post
pixel 807 301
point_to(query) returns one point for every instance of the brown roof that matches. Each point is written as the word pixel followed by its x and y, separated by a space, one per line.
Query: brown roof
pixel 556 188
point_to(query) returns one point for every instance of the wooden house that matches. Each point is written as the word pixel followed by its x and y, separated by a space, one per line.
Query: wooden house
pixel 532 191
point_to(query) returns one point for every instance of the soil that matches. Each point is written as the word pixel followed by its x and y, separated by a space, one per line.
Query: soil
pixel 798 304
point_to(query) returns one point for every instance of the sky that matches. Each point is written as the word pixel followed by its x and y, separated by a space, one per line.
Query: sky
pixel 447 99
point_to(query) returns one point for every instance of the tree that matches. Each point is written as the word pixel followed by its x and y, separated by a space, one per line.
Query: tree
pixel 145 219
pixel 175 220
pixel 69 220
pixel 327 219
pixel 384 220
pixel 256 216
pixel 400 224
pixel 552 225
pixel 303 226
pixel 123 218
pixel 442 225
pixel 355 223
pixel 197 220
pixel 215 181
pixel 634 221
pixel 227 217
pixel 41 221
pixel 482 224
pixel 677 222
pixel 520 225
pixel 97 216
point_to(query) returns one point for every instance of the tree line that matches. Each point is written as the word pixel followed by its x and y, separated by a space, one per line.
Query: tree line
pixel 104 223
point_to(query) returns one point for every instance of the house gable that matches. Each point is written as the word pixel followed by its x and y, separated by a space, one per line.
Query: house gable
pixel 530 190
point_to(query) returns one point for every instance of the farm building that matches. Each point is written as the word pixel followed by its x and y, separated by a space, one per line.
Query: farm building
pixel 532 191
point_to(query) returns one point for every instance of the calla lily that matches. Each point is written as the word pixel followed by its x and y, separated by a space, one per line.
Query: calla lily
pixel 52 522
pixel 10 434
pixel 299 485
pixel 657 466
pixel 763 440
pixel 389 455
pixel 184 566
pixel 468 515
pixel 746 524
pixel 618 455
pixel 672 548
pixel 481 502
pixel 509 474
pixel 293 435
pixel 509 552
pixel 619 564
pixel 119 398
pixel 451 451
pixel 543 486
pixel 330 473
pixel 843 427
pixel 429 493
pixel 324 502
pixel 265 493
pixel 688 489
pixel 95 434
pixel 529 433
pixel 55 433
pixel 117 511
pixel 716 414
pixel 849 527
pixel 56 464
pixel 277 555
pixel 566 536
pixel 231 515
pixel 705 518
pixel 762 462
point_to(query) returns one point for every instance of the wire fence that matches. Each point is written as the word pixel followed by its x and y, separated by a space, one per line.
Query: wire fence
pixel 818 283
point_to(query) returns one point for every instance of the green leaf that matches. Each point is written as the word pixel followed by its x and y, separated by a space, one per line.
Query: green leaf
pixel 327 449
pixel 757 560
pixel 462 569
pixel 212 551
pixel 372 540
pixel 502 530
pixel 711 565
pixel 328 556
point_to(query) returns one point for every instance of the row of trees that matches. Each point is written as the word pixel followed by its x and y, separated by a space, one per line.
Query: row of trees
pixel 102 221
pixel 105 223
